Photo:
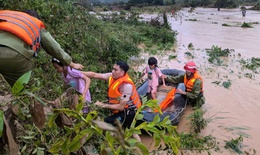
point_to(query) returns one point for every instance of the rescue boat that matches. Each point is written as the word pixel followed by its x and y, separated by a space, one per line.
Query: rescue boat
pixel 171 103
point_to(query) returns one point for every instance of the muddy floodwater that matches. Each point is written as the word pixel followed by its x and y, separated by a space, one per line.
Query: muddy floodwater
pixel 235 110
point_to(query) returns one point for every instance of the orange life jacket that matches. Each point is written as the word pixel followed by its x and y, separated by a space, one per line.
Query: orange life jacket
pixel 114 94
pixel 190 83
pixel 169 98
pixel 23 26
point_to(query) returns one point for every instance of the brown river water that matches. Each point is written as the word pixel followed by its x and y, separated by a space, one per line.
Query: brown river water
pixel 234 110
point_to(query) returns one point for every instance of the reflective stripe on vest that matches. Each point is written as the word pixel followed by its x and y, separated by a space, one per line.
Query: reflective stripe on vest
pixel 114 95
pixel 22 25
pixel 190 83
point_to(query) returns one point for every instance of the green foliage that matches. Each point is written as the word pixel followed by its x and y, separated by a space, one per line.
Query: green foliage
pixel 87 130
pixel 256 6
pixel 145 2
pixel 76 135
pixel 195 3
pixel 251 64
pixel 112 140
pixel 190 46
pixel 227 84
pixel 19 84
pixel 246 25
pixel 189 54
pixel 235 144
pixel 193 20
pixel 198 123
pixel 157 128
pixel 226 4
pixel 225 24
pixel 95 43
pixel 172 57
pixel 216 52
pixel 191 141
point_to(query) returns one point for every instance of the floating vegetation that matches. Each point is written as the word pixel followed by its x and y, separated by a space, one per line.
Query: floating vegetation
pixel 249 75
pixel 189 54
pixel 193 20
pixel 227 84
pixel 216 82
pixel 251 64
pixel 190 141
pixel 198 123
pixel 254 22
pixel 246 25
pixel 225 24
pixel 235 144
pixel 172 57
pixel 190 46
pixel 215 52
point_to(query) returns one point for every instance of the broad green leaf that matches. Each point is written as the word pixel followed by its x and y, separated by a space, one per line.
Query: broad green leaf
pixel 24 148
pixel 165 121
pixel 91 115
pixel 141 126
pixel 173 142
pixel 34 151
pixel 1 122
pixel 75 144
pixel 37 98
pixel 52 120
pixel 79 126
pixel 139 116
pixel 103 146
pixel 64 146
pixel 110 139
pixel 28 137
pixel 56 146
pixel 40 151
pixel 156 119
pixel 79 106
pixel 132 141
pixel 19 84
pixel 157 139
pixel 143 148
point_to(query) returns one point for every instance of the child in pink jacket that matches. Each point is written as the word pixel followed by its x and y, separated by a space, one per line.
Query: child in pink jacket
pixel 75 79
pixel 153 75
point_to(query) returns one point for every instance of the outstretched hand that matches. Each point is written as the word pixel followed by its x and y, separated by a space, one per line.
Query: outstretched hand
pixel 76 66
pixel 99 104
pixel 164 76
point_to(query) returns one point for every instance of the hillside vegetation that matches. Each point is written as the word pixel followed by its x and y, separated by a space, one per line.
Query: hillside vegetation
pixel 95 43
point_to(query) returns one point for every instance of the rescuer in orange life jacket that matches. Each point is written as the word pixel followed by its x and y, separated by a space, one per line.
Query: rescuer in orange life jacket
pixel 123 98
pixel 193 83
pixel 21 34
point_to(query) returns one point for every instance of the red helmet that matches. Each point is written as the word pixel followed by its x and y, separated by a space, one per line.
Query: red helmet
pixel 190 66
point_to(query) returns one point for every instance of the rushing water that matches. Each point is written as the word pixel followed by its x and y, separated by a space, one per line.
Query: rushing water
pixel 234 110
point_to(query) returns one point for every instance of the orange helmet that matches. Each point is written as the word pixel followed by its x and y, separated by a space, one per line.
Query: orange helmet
pixel 190 66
